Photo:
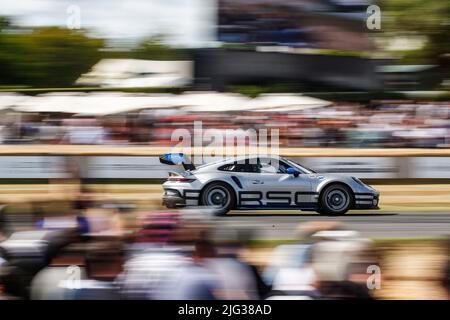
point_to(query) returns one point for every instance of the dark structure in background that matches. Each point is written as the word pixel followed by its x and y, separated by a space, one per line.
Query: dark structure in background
pixel 275 35
pixel 217 69
pixel 410 77
pixel 323 24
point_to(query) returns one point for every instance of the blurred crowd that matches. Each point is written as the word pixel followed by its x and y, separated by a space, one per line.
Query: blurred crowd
pixel 377 124
pixel 112 251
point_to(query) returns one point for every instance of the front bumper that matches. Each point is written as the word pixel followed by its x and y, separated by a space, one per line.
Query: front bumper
pixel 367 201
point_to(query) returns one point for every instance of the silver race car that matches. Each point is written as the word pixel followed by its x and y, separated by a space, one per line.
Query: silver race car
pixel 263 182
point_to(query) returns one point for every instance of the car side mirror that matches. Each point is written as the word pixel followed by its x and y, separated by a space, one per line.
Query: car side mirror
pixel 293 171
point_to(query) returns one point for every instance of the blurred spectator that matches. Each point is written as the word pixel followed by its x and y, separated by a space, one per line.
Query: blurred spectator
pixel 338 264
pixel 446 273
pixel 155 261
pixel 3 227
pixel 195 281
pixel 27 253
pixel 376 124
pixel 290 271
pixel 236 280
pixel 50 282
pixel 81 271
pixel 103 264
pixel 84 131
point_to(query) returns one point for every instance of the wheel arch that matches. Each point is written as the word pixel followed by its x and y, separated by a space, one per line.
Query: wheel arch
pixel 221 182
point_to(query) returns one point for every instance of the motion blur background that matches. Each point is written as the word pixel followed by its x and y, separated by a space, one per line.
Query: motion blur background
pixel 90 93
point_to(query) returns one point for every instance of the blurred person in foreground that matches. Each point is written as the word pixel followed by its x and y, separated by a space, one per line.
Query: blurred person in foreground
pixel 169 274
pixel 103 264
pixel 26 253
pixel 289 271
pixel 237 280
pixel 339 260
pixel 82 271
pixel 446 271
pixel 329 264
pixel 157 256
pixel 194 280
pixel 211 275
pixel 3 227
pixel 179 262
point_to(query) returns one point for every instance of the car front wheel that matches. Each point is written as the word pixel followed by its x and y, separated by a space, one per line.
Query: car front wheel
pixel 335 200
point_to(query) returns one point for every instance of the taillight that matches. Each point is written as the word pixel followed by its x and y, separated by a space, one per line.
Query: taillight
pixel 180 179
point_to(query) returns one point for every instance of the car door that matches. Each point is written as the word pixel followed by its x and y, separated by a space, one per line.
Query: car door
pixel 270 186
pixel 246 176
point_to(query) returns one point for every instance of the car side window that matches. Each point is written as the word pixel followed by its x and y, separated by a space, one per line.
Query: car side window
pixel 240 167
pixel 268 165
pixel 268 168
pixel 227 167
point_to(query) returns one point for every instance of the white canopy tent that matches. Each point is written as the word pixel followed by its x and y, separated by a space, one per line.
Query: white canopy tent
pixel 284 103
pixel 99 104
pixel 10 100
pixel 49 102
pixel 210 101
pixel 104 103
pixel 94 104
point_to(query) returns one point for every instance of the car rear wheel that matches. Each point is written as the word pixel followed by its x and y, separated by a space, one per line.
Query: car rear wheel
pixel 218 196
pixel 335 200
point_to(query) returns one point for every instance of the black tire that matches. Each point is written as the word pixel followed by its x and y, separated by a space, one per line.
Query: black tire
pixel 219 196
pixel 336 199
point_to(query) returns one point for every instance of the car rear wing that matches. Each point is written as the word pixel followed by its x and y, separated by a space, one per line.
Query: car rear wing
pixel 177 159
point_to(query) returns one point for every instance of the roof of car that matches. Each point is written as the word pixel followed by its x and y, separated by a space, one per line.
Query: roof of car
pixel 232 159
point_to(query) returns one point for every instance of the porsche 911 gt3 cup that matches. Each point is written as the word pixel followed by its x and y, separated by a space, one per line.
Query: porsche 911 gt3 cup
pixel 263 182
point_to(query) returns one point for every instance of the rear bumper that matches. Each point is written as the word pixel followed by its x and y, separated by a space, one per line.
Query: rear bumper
pixel 367 201
pixel 173 199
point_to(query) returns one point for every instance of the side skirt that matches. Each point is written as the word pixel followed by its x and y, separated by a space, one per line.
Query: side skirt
pixel 277 208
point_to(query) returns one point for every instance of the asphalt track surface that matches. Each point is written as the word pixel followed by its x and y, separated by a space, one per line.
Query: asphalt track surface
pixel 373 225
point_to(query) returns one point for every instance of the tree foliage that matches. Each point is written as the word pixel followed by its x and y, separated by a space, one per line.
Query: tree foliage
pixel 430 19
pixel 45 57
pixel 153 49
